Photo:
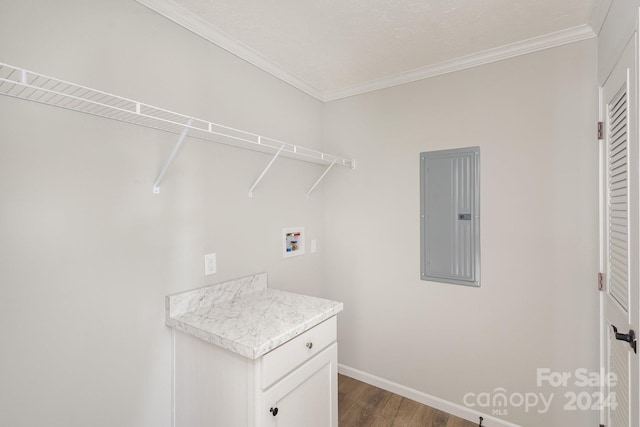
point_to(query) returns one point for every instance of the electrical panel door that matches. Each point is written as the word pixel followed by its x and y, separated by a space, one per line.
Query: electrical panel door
pixel 450 216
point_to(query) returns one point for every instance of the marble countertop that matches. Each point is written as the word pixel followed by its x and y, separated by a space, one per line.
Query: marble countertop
pixel 245 316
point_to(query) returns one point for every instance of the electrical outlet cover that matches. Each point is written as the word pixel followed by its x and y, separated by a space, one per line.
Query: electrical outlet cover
pixel 210 264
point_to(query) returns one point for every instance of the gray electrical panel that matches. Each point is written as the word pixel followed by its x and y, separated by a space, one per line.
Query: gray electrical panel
pixel 450 216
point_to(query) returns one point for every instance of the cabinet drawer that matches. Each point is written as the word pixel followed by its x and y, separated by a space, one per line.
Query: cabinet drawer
pixel 282 360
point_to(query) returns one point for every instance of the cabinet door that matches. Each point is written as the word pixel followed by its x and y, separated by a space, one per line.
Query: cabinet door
pixel 306 397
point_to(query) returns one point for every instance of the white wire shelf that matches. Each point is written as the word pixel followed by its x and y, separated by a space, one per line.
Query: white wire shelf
pixel 23 84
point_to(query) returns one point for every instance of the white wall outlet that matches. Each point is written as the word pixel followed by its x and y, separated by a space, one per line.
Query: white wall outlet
pixel 210 264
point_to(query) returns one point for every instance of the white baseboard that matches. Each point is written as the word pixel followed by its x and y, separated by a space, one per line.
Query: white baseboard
pixel 424 398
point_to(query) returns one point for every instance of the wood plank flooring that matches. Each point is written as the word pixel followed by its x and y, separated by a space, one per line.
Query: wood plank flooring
pixel 363 405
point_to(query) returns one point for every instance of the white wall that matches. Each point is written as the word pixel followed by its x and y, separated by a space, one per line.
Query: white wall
pixel 534 118
pixel 617 28
pixel 87 252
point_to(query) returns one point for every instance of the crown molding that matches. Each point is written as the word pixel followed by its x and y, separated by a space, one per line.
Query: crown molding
pixel 535 44
pixel 194 23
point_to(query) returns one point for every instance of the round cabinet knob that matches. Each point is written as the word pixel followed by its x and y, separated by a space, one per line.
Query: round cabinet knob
pixel 274 411
pixel 309 345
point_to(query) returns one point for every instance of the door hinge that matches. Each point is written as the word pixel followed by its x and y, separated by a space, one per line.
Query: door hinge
pixel 600 130
pixel 601 281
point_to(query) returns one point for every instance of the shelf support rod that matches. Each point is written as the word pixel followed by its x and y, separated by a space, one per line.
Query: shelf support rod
pixel 265 170
pixel 326 171
pixel 174 152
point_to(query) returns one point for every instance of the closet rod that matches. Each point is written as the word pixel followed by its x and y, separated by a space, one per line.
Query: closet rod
pixel 20 83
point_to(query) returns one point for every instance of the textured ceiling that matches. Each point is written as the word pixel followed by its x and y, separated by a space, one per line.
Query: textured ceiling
pixel 333 45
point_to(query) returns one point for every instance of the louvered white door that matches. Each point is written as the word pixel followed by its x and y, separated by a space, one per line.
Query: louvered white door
pixel 619 152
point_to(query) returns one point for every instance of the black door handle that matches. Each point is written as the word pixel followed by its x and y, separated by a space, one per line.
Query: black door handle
pixel 630 338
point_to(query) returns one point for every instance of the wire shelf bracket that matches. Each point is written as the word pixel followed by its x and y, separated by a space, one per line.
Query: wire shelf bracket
pixel 23 84
pixel 265 171
pixel 326 171
pixel 174 152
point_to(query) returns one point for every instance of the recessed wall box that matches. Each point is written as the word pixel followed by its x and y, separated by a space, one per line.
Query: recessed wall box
pixel 292 241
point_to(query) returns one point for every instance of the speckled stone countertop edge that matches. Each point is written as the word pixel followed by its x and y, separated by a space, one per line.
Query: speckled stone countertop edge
pixel 244 316
pixel 212 338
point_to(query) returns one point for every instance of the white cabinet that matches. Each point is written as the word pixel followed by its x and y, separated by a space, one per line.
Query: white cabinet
pixel 305 397
pixel 291 386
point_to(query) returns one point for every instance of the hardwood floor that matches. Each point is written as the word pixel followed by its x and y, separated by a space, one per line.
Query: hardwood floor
pixel 363 405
